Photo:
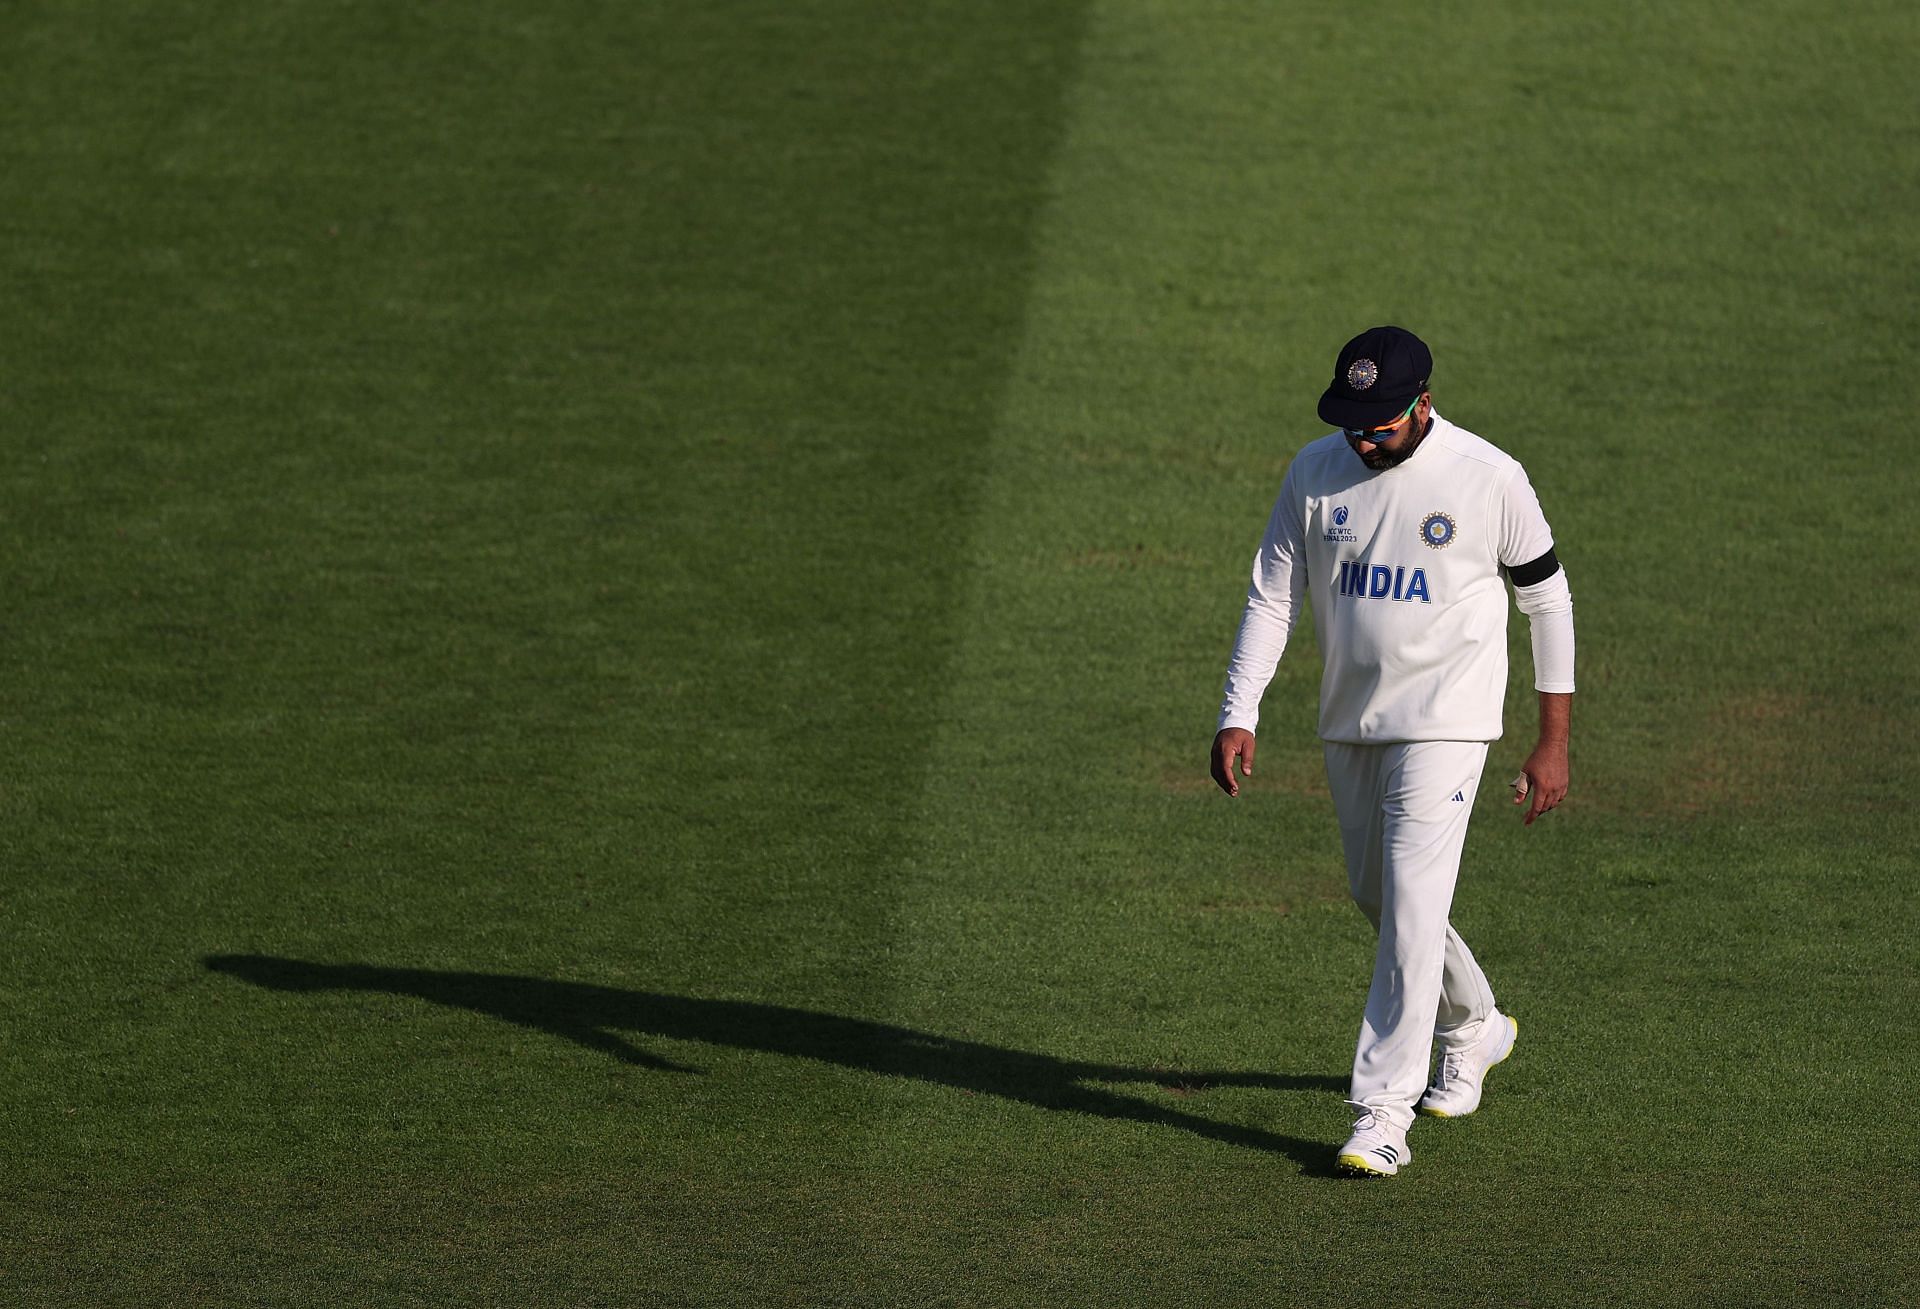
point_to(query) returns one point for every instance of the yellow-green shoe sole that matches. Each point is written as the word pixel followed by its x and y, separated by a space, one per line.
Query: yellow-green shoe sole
pixel 1354 1165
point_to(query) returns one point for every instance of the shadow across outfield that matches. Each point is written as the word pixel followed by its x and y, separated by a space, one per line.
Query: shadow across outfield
pixel 596 1017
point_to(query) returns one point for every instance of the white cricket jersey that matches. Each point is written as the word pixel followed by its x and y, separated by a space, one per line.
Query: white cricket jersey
pixel 1408 602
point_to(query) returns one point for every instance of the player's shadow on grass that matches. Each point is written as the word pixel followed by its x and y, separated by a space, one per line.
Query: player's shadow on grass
pixel 595 1017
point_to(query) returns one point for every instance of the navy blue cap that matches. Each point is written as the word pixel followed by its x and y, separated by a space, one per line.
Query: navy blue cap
pixel 1378 374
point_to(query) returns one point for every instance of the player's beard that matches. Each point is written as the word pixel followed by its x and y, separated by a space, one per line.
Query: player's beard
pixel 1380 460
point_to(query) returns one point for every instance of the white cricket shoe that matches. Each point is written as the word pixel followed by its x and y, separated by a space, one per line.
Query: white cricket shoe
pixel 1455 1092
pixel 1377 1148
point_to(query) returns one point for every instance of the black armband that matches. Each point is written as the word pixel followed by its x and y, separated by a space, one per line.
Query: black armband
pixel 1536 572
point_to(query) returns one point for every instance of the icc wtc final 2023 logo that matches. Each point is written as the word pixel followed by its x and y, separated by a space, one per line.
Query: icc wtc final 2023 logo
pixel 1436 531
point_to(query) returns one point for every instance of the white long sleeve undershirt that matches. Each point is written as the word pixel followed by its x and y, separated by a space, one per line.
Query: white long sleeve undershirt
pixel 1548 606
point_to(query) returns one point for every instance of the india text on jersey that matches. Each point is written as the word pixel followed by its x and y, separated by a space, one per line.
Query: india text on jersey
pixel 1381 582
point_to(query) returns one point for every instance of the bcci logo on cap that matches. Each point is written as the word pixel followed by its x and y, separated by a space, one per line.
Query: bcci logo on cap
pixel 1362 373
pixel 1436 531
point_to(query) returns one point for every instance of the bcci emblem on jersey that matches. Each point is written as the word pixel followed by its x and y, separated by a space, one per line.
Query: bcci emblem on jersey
pixel 1436 531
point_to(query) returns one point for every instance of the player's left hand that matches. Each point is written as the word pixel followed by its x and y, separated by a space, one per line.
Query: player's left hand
pixel 1229 744
pixel 1543 780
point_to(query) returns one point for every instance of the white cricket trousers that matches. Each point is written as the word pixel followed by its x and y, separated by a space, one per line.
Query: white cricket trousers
pixel 1403 811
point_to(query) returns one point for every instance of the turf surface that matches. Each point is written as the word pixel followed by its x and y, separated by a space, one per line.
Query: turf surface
pixel 613 615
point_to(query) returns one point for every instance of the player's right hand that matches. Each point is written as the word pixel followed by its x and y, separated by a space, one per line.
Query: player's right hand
pixel 1229 744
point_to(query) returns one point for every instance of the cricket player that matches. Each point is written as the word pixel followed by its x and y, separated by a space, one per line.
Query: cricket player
pixel 1400 526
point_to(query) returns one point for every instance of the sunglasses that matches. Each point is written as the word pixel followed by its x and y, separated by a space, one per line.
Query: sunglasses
pixel 1375 435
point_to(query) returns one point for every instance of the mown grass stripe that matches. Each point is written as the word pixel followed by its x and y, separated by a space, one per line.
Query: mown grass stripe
pixel 487 500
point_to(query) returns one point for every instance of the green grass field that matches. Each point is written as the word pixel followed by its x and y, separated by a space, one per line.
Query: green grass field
pixel 612 615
